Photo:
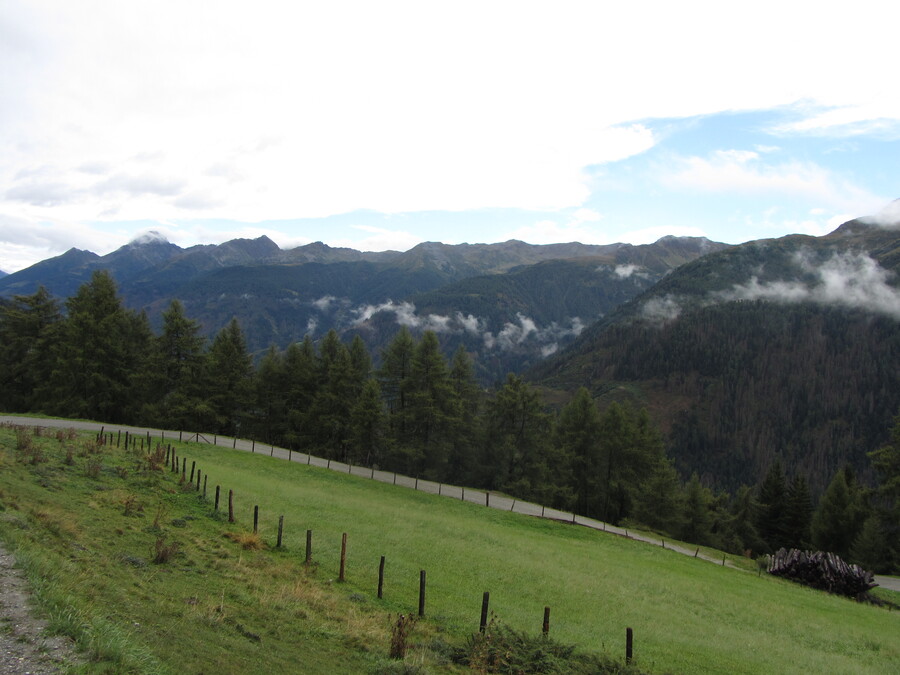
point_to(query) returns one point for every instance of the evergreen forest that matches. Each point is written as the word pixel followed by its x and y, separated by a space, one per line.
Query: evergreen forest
pixel 412 410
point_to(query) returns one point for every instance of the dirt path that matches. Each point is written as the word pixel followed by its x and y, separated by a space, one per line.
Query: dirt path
pixel 24 645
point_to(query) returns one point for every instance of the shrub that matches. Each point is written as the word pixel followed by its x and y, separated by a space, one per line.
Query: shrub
pixel 400 630
pixel 163 552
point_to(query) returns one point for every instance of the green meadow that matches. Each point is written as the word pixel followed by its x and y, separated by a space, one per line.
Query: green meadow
pixel 147 577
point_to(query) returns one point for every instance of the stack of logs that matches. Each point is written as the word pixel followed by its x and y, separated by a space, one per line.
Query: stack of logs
pixel 821 570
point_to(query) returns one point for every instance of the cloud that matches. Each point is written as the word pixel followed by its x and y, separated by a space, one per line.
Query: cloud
pixel 576 227
pixel 625 271
pixel 666 308
pixel 745 172
pixel 323 303
pixel 889 216
pixel 852 280
pixel 379 239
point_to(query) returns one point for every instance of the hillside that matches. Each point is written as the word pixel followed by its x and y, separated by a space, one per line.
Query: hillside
pixel 778 349
pixel 139 566
pixel 279 296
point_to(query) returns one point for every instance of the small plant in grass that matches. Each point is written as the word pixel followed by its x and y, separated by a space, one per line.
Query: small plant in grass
pixel 93 466
pixel 161 513
pixel 156 459
pixel 132 505
pixel 162 551
pixel 400 631
pixel 249 541
pixel 500 649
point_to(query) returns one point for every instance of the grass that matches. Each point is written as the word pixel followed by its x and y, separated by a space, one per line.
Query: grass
pixel 228 600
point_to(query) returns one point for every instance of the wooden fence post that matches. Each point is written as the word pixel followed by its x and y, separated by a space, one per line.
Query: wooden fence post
pixel 193 466
pixel 487 498
pixel 381 578
pixel 198 479
pixel 204 486
pixel 545 629
pixel 308 546
pixel 253 447
pixel 234 442
pixel 422 593
pixel 485 602
pixel 629 645
pixel 256 519
pixel 280 530
pixel 343 556
pixel 216 508
pixel 231 506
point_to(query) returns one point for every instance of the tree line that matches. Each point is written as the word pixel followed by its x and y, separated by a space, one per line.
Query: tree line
pixel 417 413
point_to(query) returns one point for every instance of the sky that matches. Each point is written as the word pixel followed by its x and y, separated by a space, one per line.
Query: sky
pixel 379 125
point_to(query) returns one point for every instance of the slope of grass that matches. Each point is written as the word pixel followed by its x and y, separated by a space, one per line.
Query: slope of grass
pixel 217 607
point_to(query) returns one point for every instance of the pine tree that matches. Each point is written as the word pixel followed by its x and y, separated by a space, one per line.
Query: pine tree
pixel 301 387
pixel 697 524
pixel 28 329
pixel 798 514
pixel 886 499
pixel 329 413
pixel 393 376
pixel 463 431
pixel 101 350
pixel 432 406
pixel 578 439
pixel 177 374
pixel 659 501
pixel 513 454
pixel 367 425
pixel 230 378
pixel 772 508
pixel 833 526
pixel 270 393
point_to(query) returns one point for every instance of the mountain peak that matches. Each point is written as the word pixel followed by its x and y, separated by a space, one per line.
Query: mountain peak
pixel 149 237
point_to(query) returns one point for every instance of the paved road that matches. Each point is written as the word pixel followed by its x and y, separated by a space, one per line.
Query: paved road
pixel 451 491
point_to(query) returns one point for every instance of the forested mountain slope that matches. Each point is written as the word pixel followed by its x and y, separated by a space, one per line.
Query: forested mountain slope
pixel 517 303
pixel 778 349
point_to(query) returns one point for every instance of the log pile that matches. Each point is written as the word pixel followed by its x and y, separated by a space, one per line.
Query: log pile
pixel 825 571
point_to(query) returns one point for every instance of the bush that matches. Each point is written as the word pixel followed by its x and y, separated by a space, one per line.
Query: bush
pixel 500 649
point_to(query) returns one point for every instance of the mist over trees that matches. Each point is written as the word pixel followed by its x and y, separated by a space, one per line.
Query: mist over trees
pixel 415 412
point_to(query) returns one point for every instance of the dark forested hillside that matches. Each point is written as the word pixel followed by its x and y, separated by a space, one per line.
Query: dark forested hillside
pixel 783 350
pixel 281 296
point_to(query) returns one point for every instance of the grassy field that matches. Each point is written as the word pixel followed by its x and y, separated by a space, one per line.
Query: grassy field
pixel 88 537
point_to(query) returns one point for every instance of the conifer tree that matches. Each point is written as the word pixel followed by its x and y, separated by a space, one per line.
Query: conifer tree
pixel 798 513
pixel 514 450
pixel 301 388
pixel 578 439
pixel 177 374
pixel 839 518
pixel 771 508
pixel 393 376
pixel 28 329
pixel 230 378
pixel 101 349
pixel 463 432
pixel 367 425
pixel 696 527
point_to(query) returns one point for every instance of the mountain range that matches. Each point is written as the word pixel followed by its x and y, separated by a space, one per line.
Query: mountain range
pixel 774 350
pixel 510 303
pixel 783 349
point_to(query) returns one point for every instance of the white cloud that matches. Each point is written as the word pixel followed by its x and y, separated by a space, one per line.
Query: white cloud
pixel 379 239
pixel 852 280
pixel 743 172
pixel 661 309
